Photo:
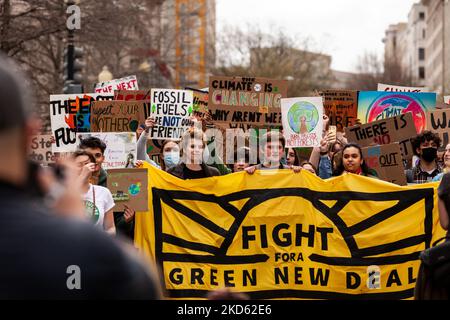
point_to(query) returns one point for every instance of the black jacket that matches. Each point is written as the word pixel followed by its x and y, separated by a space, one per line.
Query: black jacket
pixel 38 251
pixel 178 170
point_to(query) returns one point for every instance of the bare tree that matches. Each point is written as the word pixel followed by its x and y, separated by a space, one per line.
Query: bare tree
pixel 371 70
pixel 253 52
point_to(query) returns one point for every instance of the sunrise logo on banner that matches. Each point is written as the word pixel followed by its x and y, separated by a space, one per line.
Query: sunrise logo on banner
pixel 120 149
pixel 69 114
pixel 287 235
pixel 126 83
pixel 172 110
pixel 375 105
pixel 302 120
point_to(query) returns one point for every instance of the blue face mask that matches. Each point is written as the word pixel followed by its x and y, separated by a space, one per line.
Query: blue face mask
pixel 171 159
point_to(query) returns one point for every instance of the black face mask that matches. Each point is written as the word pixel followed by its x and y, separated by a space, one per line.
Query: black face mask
pixel 429 154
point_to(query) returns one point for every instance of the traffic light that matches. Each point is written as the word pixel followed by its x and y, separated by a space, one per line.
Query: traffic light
pixel 73 67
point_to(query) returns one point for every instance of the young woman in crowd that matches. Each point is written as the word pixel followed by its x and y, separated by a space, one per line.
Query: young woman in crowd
pixel 192 166
pixel 353 162
pixel 446 161
pixel 292 158
pixel 98 200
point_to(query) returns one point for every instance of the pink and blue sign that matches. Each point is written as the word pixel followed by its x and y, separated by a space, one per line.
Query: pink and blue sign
pixel 376 105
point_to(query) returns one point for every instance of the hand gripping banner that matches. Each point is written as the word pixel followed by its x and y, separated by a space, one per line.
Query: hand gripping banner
pixel 285 235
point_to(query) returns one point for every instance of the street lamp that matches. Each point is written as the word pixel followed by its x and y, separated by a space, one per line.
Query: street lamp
pixel 105 75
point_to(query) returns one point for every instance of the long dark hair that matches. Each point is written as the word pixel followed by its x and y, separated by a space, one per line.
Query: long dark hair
pixel 161 154
pixel 340 167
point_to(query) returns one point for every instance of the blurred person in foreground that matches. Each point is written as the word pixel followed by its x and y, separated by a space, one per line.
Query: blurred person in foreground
pixel 44 243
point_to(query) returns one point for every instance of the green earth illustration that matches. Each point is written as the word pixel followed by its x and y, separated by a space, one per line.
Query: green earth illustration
pixel 303 117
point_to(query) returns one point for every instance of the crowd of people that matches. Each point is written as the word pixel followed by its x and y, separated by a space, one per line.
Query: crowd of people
pixel 111 267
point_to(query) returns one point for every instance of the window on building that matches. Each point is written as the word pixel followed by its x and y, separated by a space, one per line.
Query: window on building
pixel 423 34
pixel 421 54
pixel 421 15
pixel 421 73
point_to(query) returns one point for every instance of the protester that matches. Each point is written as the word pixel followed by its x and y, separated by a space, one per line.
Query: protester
pixel 272 145
pixel 425 146
pixel 292 157
pixel 446 161
pixel 241 159
pixel 41 247
pixel 98 200
pixel 192 165
pixel 141 147
pixel 353 162
pixel 96 148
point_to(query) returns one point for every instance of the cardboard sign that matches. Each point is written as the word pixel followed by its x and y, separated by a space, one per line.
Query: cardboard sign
pixel 120 148
pixel 126 83
pixel 374 105
pixel 246 92
pixel 386 160
pixel 69 114
pixel 118 116
pixel 392 88
pixel 396 129
pixel 201 98
pixel 41 149
pixel 171 110
pixel 438 121
pixel 245 118
pixel 302 120
pixel 130 187
pixel 341 106
pixel 134 95
pixel 447 99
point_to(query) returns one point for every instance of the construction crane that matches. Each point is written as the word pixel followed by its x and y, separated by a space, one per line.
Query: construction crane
pixel 190 43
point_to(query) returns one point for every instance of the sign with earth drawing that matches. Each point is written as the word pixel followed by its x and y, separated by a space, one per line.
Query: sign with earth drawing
pixel 302 121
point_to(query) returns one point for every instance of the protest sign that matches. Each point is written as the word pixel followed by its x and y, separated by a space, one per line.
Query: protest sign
pixel 392 88
pixel 341 106
pixel 70 113
pixel 130 187
pixel 120 148
pixel 387 161
pixel 447 99
pixel 374 105
pixel 302 120
pixel 200 102
pixel 245 118
pixel 171 110
pixel 133 95
pixel 246 92
pixel 287 235
pixel 41 149
pixel 438 121
pixel 399 129
pixel 126 83
pixel 118 116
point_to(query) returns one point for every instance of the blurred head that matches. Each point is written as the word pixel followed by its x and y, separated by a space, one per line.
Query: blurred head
pixel 272 147
pixel 425 145
pixel 82 158
pixel 170 151
pixel 193 145
pixel 241 158
pixel 96 148
pixel 18 122
pixel 292 158
pixel 306 165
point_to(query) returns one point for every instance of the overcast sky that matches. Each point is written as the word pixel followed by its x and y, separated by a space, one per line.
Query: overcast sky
pixel 345 29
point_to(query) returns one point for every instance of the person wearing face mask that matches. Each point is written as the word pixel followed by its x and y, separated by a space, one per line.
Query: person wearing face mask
pixel 425 146
pixel 170 154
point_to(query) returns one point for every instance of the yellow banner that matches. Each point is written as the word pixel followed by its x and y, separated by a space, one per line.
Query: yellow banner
pixel 286 235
